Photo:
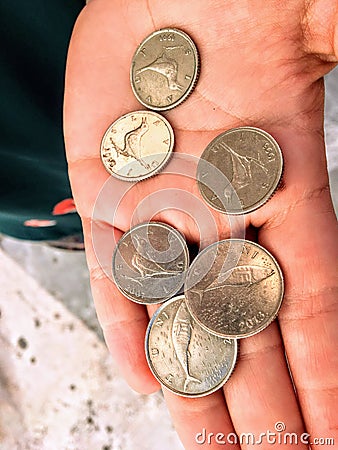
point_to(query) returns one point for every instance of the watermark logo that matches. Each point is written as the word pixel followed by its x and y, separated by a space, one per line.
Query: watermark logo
pixel 174 190
pixel 278 435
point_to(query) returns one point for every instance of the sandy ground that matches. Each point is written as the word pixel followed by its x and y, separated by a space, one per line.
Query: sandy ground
pixel 59 388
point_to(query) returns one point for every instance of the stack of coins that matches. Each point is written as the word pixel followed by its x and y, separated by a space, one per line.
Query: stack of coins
pixel 234 288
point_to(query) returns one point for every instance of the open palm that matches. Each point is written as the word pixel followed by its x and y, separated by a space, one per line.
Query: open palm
pixel 260 67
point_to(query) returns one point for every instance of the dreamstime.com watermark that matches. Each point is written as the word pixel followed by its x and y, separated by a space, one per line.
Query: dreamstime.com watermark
pixel 277 436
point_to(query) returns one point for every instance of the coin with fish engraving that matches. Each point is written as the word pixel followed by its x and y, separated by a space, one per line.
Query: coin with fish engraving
pixel 164 69
pixel 137 145
pixel 234 288
pixel 150 263
pixel 183 356
pixel 249 167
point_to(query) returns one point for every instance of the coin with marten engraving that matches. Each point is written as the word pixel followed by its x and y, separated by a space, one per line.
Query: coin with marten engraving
pixel 234 288
pixel 165 69
pixel 249 167
pixel 183 356
pixel 137 145
pixel 150 263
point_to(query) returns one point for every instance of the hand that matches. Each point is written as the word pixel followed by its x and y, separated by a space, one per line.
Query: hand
pixel 262 65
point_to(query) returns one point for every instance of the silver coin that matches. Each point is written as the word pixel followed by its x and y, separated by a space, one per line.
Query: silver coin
pixel 183 356
pixel 249 167
pixel 165 69
pixel 234 288
pixel 150 262
pixel 137 145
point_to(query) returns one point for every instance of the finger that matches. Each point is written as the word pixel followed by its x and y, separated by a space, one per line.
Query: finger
pixel 319 26
pixel 124 323
pixel 201 421
pixel 308 319
pixel 260 394
pixel 97 87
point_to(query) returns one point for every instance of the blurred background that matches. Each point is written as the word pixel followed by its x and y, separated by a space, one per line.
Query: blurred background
pixel 59 388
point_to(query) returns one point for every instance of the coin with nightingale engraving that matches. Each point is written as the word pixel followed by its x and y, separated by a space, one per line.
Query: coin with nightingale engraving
pixel 249 167
pixel 137 145
pixel 234 288
pixel 164 69
pixel 150 263
pixel 185 358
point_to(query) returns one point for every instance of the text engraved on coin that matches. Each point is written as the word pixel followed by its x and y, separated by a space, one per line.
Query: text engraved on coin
pixel 155 352
pixel 167 37
pixel 169 378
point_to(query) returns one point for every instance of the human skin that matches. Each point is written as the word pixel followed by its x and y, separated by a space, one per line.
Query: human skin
pixel 262 64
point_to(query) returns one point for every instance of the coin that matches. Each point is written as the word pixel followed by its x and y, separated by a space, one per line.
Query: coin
pixel 150 262
pixel 137 145
pixel 183 356
pixel 240 170
pixel 234 288
pixel 165 69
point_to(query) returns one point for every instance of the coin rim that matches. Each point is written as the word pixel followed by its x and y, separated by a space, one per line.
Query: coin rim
pixel 180 236
pixel 193 80
pixel 271 191
pixel 264 324
pixel 158 378
pixel 160 166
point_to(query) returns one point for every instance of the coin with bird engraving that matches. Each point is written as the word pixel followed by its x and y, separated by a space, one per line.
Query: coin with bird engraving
pixel 234 288
pixel 164 69
pixel 137 145
pixel 240 170
pixel 183 356
pixel 150 263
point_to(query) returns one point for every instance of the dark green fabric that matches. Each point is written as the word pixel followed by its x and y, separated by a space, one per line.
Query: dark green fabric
pixel 33 171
